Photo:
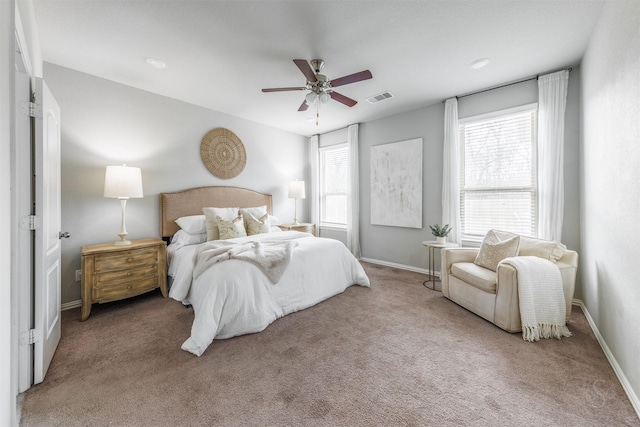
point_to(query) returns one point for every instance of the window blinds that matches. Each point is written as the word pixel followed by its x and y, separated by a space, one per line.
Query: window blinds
pixel 334 181
pixel 498 174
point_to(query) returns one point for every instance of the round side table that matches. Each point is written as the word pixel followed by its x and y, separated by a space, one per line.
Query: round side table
pixel 432 245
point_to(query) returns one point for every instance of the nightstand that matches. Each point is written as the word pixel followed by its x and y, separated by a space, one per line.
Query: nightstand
pixel 305 227
pixel 111 273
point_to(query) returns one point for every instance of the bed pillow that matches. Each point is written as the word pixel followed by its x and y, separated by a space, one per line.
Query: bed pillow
pixel 256 226
pixel 493 250
pixel 211 223
pixel 182 238
pixel 193 224
pixel 228 229
pixel 274 220
pixel 257 211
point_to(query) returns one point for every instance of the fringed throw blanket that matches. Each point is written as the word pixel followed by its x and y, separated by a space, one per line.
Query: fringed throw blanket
pixel 542 303
pixel 271 257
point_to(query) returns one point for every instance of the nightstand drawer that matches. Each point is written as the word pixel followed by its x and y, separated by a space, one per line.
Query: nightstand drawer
pixel 111 278
pixel 126 260
pixel 124 290
pixel 111 272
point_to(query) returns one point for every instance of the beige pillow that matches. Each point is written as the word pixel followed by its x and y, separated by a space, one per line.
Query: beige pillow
pixel 231 229
pixel 256 226
pixel 532 246
pixel 211 223
pixel 492 250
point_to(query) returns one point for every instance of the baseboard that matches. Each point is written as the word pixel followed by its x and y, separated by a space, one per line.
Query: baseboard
pixel 400 266
pixel 633 397
pixel 71 304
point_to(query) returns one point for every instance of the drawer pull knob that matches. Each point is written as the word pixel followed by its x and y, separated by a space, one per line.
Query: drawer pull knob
pixel 129 274
pixel 129 259
pixel 129 287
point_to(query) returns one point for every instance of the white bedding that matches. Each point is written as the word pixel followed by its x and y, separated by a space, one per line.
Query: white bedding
pixel 235 297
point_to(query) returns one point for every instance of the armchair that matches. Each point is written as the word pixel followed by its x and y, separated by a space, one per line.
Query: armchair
pixel 493 295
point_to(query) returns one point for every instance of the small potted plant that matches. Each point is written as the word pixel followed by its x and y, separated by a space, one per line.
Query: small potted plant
pixel 440 232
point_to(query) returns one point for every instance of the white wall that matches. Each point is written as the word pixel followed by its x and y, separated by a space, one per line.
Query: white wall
pixel 610 184
pixel 105 123
pixel 403 245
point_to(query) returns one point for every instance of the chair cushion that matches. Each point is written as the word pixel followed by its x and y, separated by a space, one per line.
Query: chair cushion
pixel 493 250
pixel 479 277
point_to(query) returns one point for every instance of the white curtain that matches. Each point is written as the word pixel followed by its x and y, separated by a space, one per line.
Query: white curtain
pixel 552 101
pixel 451 171
pixel 353 194
pixel 315 181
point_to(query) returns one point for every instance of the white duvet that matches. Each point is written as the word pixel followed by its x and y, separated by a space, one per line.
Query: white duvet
pixel 235 297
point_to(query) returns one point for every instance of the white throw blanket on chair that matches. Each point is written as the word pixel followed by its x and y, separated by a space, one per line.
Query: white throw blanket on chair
pixel 541 295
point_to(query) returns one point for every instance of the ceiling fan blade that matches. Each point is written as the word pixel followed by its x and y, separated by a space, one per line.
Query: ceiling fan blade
pixel 282 89
pixel 306 69
pixel 351 78
pixel 303 106
pixel 343 99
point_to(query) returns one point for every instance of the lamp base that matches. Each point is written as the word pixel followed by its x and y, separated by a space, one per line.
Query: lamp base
pixel 123 239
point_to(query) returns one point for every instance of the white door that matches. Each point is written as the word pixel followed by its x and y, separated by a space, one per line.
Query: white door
pixel 47 244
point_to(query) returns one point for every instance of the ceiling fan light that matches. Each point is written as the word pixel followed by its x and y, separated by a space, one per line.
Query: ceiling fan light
pixel 310 98
pixel 324 97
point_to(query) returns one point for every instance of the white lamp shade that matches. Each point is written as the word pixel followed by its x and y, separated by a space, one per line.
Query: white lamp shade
pixel 296 190
pixel 123 182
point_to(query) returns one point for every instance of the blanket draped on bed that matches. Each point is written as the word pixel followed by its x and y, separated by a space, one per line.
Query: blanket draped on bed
pixel 541 295
pixel 271 257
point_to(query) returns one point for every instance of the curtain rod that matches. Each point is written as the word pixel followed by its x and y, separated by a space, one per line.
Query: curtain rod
pixel 501 86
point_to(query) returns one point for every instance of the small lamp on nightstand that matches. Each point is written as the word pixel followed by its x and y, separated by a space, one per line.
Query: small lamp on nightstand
pixel 123 182
pixel 296 191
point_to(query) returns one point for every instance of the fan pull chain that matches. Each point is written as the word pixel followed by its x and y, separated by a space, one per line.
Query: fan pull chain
pixel 317 111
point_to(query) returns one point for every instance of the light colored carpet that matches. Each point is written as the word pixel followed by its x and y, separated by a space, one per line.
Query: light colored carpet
pixel 397 354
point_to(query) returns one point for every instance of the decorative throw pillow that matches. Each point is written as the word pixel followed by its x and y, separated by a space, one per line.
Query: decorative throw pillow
pixel 211 223
pixel 492 250
pixel 532 246
pixel 192 224
pixel 257 226
pixel 231 229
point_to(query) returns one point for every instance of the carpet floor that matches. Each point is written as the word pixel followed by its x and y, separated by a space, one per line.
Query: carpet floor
pixel 397 354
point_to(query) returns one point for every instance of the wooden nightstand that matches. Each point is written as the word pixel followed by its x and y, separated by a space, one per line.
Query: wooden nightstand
pixel 303 226
pixel 111 273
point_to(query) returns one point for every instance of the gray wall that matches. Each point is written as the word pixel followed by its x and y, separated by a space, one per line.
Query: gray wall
pixel 105 123
pixel 403 246
pixel 610 184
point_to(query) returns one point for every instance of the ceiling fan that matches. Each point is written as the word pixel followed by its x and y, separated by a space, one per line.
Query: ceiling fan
pixel 319 87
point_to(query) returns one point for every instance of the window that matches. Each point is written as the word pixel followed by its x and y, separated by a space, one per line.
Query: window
pixel 498 174
pixel 334 181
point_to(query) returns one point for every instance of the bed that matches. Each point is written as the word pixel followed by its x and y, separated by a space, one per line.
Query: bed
pixel 240 285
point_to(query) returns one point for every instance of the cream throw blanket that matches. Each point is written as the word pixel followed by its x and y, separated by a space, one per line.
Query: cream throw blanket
pixel 272 257
pixel 542 303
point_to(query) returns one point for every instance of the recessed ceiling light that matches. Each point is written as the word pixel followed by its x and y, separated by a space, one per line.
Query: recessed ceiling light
pixel 156 63
pixel 479 63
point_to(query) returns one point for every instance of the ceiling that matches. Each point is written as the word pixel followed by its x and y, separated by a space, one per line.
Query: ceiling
pixel 220 54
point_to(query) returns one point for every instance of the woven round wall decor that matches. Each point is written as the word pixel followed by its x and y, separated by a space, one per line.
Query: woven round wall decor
pixel 222 153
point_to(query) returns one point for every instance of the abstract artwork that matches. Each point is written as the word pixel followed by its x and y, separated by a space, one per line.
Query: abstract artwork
pixel 396 184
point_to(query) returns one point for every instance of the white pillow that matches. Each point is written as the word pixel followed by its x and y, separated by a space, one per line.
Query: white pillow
pixel 211 223
pixel 493 250
pixel 256 226
pixel 193 224
pixel 274 220
pixel 257 211
pixel 231 229
pixel 182 238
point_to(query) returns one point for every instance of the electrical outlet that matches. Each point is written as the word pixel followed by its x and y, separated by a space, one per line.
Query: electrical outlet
pixel 78 275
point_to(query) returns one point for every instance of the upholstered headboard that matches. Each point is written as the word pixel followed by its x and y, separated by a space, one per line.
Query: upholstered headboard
pixel 191 202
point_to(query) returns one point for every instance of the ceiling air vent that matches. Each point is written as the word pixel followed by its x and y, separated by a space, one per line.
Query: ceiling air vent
pixel 379 97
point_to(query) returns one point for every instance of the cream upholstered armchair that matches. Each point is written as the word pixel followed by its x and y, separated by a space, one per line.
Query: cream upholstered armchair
pixel 493 295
